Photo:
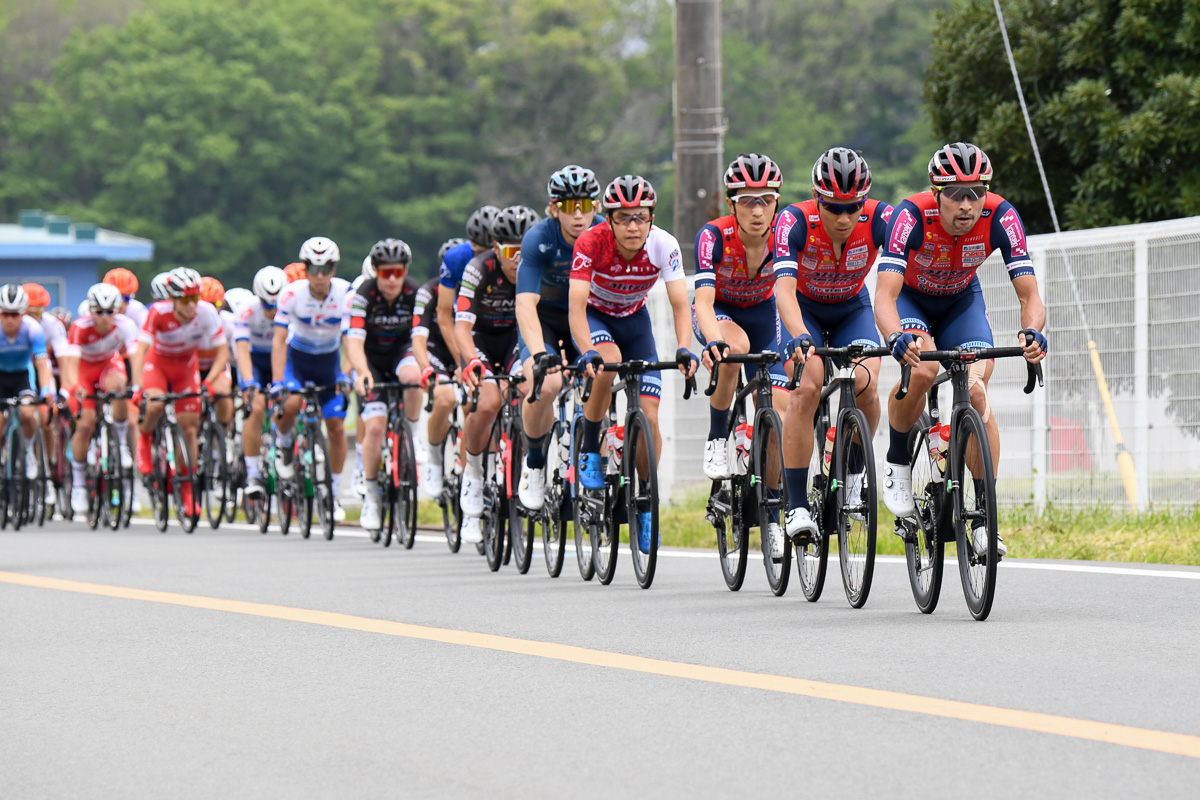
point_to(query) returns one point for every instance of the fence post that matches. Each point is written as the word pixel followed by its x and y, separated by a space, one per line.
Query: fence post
pixel 1141 366
pixel 1040 429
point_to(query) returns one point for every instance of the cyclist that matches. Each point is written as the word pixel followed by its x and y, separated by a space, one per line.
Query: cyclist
pixel 612 271
pixel 929 296
pixel 127 284
pixel 309 321
pixel 486 326
pixel 22 355
pixel 479 240
pixel 212 292
pixel 295 271
pixel 166 360
pixel 542 290
pixel 158 288
pixel 92 360
pixel 824 249
pixel 359 482
pixel 53 330
pixel 379 348
pixel 434 359
pixel 253 335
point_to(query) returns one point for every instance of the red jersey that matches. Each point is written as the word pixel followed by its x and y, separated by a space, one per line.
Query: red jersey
pixel 86 343
pixel 721 264
pixel 168 337
pixel 804 251
pixel 619 287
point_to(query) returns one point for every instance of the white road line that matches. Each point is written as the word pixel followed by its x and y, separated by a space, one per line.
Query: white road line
pixel 356 533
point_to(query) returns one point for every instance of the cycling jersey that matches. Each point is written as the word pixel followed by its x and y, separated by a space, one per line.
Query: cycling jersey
pixel 804 251
pixel 935 262
pixel 55 333
pixel 314 326
pixel 90 346
pixel 20 352
pixel 136 310
pixel 721 265
pixel 424 310
pixel 487 299
pixel 251 325
pixel 619 287
pixel 384 328
pixel 454 264
pixel 167 336
pixel 228 318
pixel 545 267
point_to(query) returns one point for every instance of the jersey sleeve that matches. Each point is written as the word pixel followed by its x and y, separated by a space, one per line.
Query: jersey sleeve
pixel 241 323
pixel 146 334
pixel 347 300
pixel 37 340
pixel 666 255
pixel 129 334
pixel 787 242
pixel 283 307
pixel 582 258
pixel 1008 233
pixel 709 251
pixel 423 301
pixel 213 328
pixel 466 307
pixel 359 303
pixel 533 261
pixel 903 234
pixel 879 223
pixel 71 346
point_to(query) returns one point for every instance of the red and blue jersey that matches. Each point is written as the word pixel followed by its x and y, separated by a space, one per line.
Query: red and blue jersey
pixel 721 264
pixel 804 251
pixel 935 262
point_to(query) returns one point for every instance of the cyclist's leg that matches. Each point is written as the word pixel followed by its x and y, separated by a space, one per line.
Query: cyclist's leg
pixel 917 313
pixel 372 422
pixel 596 407
pixel 965 324
pixel 407 371
pixel 293 375
pixel 327 371
pixel 801 407
pixel 635 336
pixel 738 340
pixel 222 384
pixel 154 384
pixel 252 430
pixel 445 398
pixel 539 417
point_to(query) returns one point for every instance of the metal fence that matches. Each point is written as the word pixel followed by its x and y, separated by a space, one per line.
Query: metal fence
pixel 1140 288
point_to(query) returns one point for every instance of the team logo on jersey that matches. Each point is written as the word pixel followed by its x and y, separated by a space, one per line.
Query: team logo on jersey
pixel 974 254
pixel 808 262
pixel 581 262
pixel 783 229
pixel 900 231
pixel 545 248
pixel 887 213
pixel 1016 236
pixel 675 261
pixel 707 243
pixel 856 257
pixel 464 303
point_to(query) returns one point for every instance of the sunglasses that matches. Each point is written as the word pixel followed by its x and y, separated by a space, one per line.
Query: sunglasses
pixel 508 251
pixel 126 297
pixel 321 271
pixel 958 194
pixel 570 206
pixel 838 209
pixel 266 306
pixel 102 312
pixel 190 300
pixel 625 217
pixel 11 314
pixel 755 200
pixel 391 273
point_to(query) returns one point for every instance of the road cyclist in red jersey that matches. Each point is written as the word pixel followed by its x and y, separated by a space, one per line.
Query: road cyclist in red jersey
pixel 929 295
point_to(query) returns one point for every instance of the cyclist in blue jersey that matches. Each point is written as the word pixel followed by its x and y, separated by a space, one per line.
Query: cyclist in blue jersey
pixel 543 285
pixel 479 240
pixel 23 360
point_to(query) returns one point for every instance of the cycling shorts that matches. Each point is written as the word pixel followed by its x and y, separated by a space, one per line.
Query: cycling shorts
pixel 634 337
pixel 498 357
pixel 261 364
pixel 176 375
pixel 850 321
pixel 322 369
pixel 761 325
pixel 555 328
pixel 93 374
pixel 373 404
pixel 959 320
pixel 13 383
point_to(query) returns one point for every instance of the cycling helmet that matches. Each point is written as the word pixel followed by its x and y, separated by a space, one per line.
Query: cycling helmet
pixel 36 295
pixel 158 286
pixel 752 171
pixel 212 291
pixel 573 182
pixel 510 224
pixel 961 161
pixel 183 282
pixel 13 298
pixel 368 270
pixel 319 251
pixel 125 281
pixel 629 191
pixel 237 298
pixel 390 251
pixel 268 283
pixel 104 297
pixel 841 174
pixel 446 245
pixel 295 271
pixel 479 225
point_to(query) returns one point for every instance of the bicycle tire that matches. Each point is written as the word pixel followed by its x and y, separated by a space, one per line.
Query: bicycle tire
pixel 6 480
pixel 114 478
pixel 606 535
pixel 856 517
pixel 63 479
pixel 812 556
pixel 301 481
pixel 210 464
pixel 156 481
pixel 37 494
pixel 924 541
pixel 733 537
pixel 770 495
pixel 641 494
pixel 262 511
pixel 188 518
pixel 93 480
pixel 552 518
pixel 520 522
pixel 404 488
pixel 493 520
pixel 581 516
pixel 322 482
pixel 977 565
pixel 235 480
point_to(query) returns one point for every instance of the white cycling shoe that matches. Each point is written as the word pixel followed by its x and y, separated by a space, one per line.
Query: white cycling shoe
pixel 980 535
pixel 897 489
pixel 799 522
pixel 716 459
pixel 339 513
pixel 126 457
pixel 775 541
pixel 79 499
pixel 370 519
pixel 358 483
pixel 532 489
pixel 472 530
pixel 283 465
pixel 431 480
pixel 470 497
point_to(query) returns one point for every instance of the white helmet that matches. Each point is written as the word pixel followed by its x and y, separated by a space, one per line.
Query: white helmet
pixel 13 298
pixel 236 298
pixel 368 268
pixel 103 297
pixel 83 309
pixel 319 251
pixel 158 286
pixel 268 283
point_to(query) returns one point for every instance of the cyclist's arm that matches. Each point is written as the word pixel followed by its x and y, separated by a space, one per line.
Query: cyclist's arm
pixel 887 289
pixel 356 354
pixel 464 332
pixel 44 373
pixel 137 360
pixel 677 294
pixel 244 364
pixel 577 305
pixel 1033 312
pixel 220 360
pixel 789 307
pixel 445 321
pixel 529 323
pixel 706 317
pixel 420 350
pixel 68 368
pixel 279 353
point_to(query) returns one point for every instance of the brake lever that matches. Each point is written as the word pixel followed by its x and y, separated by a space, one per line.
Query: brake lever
pixel 905 376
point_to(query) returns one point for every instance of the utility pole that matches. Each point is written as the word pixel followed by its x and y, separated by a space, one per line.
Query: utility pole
pixel 699 120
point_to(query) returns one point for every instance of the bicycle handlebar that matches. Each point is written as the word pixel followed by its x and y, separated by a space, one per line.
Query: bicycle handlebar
pixel 513 379
pixel 1033 371
pixel 852 352
pixel 641 367
pixel 765 357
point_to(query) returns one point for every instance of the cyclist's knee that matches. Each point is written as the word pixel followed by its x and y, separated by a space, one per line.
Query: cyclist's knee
pixel 735 337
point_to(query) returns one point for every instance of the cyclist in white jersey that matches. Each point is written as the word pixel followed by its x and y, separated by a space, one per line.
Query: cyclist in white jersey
pixel 254 333
pixel 309 321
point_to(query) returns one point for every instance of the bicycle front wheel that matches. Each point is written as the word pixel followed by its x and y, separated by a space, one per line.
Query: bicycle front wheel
pixel 520 526
pixel 975 526
pixel 924 548
pixel 494 518
pixel 113 496
pixel 185 485
pixel 856 503
pixel 812 555
pixel 62 467
pixel 583 520
pixel 210 464
pixel 641 492
pixel 37 497
pixel 553 516
pixel 322 481
pixel 771 494
pixel 404 489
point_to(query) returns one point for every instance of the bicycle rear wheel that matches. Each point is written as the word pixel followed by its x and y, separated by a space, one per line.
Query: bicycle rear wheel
pixel 856 505
pixel 157 482
pixel 924 549
pixel 494 519
pixel 552 519
pixel 185 476
pixel 114 479
pixel 302 484
pixel 61 470
pixel 771 494
pixel 235 482
pixel 975 526
pixel 404 488
pixel 210 466
pixel 520 524
pixel 37 495
pixel 582 515
pixel 641 492
pixel 262 510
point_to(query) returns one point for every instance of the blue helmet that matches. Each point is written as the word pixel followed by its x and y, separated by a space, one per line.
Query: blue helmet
pixel 573 182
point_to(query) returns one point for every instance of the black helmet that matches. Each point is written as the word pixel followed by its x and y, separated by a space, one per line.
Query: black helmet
pixel 510 224
pixel 390 251
pixel 446 245
pixel 479 225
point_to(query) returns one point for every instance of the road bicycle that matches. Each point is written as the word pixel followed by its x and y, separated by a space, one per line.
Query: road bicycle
pixel 212 464
pixel 275 489
pixel 397 477
pixel 235 458
pixel 630 492
pixel 172 469
pixel 501 515
pixel 109 484
pixel 312 486
pixel 60 460
pixel 754 495
pixel 555 512
pixel 452 471
pixel 959 504
pixel 843 495
pixel 23 471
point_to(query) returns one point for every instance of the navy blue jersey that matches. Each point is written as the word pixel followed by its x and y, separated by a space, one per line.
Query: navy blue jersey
pixel 545 267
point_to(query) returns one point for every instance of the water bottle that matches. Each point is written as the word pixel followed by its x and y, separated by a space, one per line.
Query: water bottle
pixel 615 439
pixel 827 456
pixel 564 447
pixel 939 446
pixel 742 435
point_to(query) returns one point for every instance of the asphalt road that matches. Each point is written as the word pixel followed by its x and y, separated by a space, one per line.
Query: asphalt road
pixel 126 694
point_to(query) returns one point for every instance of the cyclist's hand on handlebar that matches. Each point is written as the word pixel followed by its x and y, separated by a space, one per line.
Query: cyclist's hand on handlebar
pixel 344 385
pixel 590 362
pixel 364 383
pixel 547 362
pixel 800 348
pixel 714 352
pixel 1036 349
pixel 688 361
pixel 278 388
pixel 906 348
pixel 427 375
pixel 473 374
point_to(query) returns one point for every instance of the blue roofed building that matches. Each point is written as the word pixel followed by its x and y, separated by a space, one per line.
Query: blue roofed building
pixel 63 256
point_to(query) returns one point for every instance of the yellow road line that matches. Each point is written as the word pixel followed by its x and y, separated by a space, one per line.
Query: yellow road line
pixel 1142 738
